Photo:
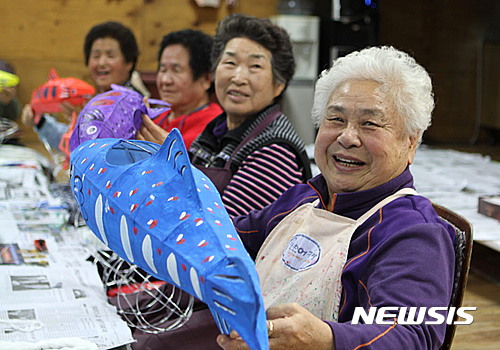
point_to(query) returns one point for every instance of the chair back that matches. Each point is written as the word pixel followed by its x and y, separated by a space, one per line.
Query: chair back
pixel 463 252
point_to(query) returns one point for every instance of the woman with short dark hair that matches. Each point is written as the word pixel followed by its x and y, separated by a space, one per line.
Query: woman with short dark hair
pixel 251 151
pixel 110 50
pixel 184 80
pixel 110 53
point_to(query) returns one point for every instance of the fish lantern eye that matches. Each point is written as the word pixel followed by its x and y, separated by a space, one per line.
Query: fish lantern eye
pixel 91 130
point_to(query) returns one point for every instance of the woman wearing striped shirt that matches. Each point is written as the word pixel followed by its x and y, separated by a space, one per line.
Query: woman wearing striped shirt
pixel 251 151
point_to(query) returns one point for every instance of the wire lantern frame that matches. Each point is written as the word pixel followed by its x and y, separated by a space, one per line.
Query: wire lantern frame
pixel 7 128
pixel 145 303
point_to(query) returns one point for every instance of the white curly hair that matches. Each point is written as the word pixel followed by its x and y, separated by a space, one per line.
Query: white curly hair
pixel 402 79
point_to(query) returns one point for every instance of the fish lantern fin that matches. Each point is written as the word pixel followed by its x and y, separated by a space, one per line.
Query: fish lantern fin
pixel 154 112
pixel 120 88
pixel 174 151
pixel 53 74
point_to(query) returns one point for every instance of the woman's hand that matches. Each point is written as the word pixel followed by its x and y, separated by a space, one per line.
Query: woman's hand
pixel 67 110
pixel 293 328
pixel 27 115
pixel 149 131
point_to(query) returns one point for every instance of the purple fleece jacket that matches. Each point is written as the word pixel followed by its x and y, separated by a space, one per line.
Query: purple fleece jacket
pixel 401 256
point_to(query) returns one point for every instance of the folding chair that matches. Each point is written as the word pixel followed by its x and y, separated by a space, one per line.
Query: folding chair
pixel 463 252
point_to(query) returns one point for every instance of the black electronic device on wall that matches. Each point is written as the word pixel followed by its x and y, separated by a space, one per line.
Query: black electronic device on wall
pixel 346 26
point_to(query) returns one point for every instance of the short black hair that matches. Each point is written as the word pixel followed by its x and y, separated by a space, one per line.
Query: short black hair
pixel 199 46
pixel 7 67
pixel 261 30
pixel 117 31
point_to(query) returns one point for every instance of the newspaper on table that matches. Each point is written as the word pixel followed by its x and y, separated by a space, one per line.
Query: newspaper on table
pixel 456 180
pixel 48 288
pixel 58 303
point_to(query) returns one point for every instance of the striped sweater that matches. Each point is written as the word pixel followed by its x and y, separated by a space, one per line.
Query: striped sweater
pixel 262 169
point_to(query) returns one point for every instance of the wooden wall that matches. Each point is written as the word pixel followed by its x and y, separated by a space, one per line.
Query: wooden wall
pixel 445 38
pixel 38 35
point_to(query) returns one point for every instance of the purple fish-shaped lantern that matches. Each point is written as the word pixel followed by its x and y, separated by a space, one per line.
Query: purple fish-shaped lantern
pixel 157 211
pixel 113 114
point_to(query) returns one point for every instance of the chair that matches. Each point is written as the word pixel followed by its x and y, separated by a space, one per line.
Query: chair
pixel 463 252
pixel 149 80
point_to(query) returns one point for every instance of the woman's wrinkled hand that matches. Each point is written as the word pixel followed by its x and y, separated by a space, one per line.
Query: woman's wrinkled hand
pixel 67 110
pixel 293 328
pixel 149 131
pixel 27 115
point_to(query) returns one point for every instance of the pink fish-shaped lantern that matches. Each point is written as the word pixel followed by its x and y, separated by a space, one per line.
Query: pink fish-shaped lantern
pixel 157 211
pixel 113 114
pixel 47 98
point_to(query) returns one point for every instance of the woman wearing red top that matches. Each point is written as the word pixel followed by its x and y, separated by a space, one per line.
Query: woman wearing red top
pixel 184 80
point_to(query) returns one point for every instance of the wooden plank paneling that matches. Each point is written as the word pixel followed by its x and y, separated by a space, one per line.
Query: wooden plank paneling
pixel 170 15
pixel 444 36
pixel 38 35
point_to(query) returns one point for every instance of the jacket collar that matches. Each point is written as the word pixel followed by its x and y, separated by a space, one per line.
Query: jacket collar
pixel 354 204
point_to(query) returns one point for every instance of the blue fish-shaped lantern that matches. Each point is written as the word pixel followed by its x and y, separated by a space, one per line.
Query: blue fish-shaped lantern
pixel 157 211
pixel 116 113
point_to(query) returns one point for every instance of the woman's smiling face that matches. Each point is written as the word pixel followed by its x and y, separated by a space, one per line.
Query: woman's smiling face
pixel 362 142
pixel 244 81
pixel 175 83
pixel 107 64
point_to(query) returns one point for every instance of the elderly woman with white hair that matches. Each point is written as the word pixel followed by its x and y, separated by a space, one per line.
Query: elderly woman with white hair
pixel 357 236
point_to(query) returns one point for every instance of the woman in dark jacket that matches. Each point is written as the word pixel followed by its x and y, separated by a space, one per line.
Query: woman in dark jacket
pixel 253 141
pixel 251 151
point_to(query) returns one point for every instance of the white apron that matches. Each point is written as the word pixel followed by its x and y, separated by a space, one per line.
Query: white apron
pixel 303 257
